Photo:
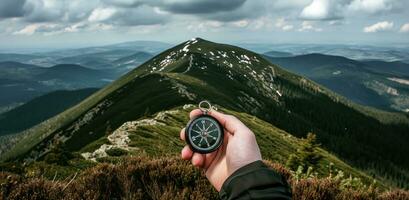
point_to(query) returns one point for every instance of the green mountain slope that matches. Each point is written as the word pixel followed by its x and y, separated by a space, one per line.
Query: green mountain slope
pixel 238 80
pixel 40 109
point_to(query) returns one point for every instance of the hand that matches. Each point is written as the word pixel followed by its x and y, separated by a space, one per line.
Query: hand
pixel 239 148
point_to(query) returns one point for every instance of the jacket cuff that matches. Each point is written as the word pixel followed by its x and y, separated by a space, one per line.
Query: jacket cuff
pixel 253 176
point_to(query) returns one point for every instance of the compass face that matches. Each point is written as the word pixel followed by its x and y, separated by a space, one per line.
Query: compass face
pixel 204 134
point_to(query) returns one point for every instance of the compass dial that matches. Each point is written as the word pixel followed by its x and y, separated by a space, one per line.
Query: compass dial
pixel 204 134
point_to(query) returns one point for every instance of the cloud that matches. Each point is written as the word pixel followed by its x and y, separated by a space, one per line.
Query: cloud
pixel 43 10
pixel 201 6
pixel 321 10
pixel 205 26
pixel 378 27
pixel 71 11
pixel 11 8
pixel 370 6
pixel 33 28
pixel 308 26
pixel 142 15
pixel 283 24
pixel 240 23
pixel 125 3
pixel 404 28
pixel 101 14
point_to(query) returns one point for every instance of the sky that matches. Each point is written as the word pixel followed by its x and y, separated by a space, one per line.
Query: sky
pixel 72 23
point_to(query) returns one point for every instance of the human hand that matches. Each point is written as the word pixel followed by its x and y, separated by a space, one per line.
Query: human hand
pixel 239 148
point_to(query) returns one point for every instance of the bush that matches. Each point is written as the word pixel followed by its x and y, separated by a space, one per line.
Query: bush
pixel 167 178
pixel 116 152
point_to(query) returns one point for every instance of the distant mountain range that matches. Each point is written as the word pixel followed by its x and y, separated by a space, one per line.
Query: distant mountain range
pixel 92 57
pixel 25 76
pixel 351 51
pixel 237 81
pixel 373 83
pixel 20 83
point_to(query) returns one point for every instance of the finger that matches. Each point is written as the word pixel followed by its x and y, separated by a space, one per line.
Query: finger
pixel 194 113
pixel 187 153
pixel 198 159
pixel 229 122
pixel 182 134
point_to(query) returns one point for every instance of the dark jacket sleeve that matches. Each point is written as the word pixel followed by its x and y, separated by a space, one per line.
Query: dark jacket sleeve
pixel 255 181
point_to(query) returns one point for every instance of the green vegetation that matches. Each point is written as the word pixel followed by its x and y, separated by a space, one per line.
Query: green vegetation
pixel 116 152
pixel 144 177
pixel 307 155
pixel 40 109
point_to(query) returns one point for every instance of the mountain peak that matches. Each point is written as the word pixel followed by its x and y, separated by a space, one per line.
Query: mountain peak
pixel 199 54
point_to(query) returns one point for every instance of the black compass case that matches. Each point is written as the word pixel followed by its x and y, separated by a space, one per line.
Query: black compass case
pixel 204 134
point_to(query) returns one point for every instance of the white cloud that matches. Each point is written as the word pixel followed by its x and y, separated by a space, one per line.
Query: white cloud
pixel 283 24
pixel 240 23
pixel 323 10
pixel 209 25
pixel 370 6
pixel 28 30
pixel 318 9
pixel 261 23
pixel 101 14
pixel 308 26
pixel 404 28
pixel 287 27
pixel 34 28
pixel 380 26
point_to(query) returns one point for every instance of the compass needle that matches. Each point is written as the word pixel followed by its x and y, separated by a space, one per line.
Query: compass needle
pixel 207 142
pixel 209 127
pixel 198 127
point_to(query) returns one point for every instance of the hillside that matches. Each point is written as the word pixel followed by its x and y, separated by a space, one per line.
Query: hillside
pixel 40 109
pixel 237 80
pixel 365 82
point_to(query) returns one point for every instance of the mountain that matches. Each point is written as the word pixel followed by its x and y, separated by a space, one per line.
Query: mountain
pixel 20 82
pixel 74 76
pixel 277 54
pixel 18 71
pixel 238 81
pixel 25 58
pixel 40 109
pixel 368 83
pixel 139 57
pixel 395 68
pixel 356 52
pixel 97 60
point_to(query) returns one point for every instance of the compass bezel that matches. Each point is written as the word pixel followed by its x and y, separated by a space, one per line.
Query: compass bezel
pixel 189 141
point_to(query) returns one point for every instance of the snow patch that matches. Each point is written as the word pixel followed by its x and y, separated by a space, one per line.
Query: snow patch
pixel 400 80
pixel 336 72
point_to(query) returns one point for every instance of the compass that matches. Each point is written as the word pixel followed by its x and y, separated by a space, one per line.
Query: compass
pixel 204 134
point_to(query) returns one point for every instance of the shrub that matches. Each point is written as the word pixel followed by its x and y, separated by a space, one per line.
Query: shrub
pixel 143 177
pixel 116 152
